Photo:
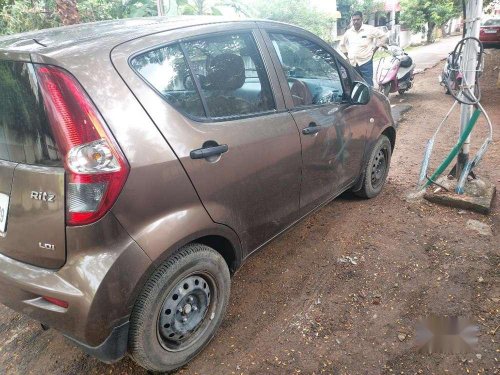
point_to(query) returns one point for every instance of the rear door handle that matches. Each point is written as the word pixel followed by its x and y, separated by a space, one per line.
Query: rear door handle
pixel 311 129
pixel 206 152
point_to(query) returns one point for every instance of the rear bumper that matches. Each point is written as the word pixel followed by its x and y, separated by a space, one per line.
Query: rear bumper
pixel 103 270
pixel 491 43
pixel 491 39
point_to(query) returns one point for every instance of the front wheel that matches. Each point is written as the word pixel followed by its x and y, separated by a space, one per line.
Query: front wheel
pixel 179 309
pixel 376 168
pixel 385 89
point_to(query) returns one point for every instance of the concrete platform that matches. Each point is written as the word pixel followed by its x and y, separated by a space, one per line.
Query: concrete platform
pixel 478 196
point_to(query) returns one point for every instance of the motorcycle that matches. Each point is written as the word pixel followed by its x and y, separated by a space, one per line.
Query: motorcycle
pixel 395 72
pixel 450 77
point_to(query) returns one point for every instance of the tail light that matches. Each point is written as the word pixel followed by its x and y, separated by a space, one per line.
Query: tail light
pixel 95 166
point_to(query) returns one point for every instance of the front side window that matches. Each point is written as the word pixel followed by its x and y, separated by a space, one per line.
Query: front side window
pixel 344 75
pixel 310 70
pixel 231 75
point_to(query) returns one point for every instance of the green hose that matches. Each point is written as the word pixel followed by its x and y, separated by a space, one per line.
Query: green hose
pixel 454 151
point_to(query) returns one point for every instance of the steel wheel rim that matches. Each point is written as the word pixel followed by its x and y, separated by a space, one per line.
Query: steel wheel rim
pixel 379 168
pixel 183 317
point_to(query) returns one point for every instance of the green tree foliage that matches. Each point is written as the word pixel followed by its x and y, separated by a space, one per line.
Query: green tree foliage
pixel 140 8
pixel 25 15
pixel 298 12
pixel 348 7
pixel 419 13
pixel 98 10
pixel 212 7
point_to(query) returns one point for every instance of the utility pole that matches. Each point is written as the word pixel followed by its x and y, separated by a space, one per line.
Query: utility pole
pixel 472 23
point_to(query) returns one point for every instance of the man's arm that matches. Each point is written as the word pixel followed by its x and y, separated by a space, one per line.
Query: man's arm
pixel 343 43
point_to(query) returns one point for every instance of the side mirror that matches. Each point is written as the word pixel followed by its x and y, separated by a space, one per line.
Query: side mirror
pixel 361 93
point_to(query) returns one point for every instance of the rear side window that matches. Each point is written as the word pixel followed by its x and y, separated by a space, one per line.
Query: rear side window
pixel 231 73
pixel 167 71
pixel 219 77
pixel 25 133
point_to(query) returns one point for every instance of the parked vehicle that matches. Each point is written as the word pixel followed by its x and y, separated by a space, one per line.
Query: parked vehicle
pixel 142 161
pixel 395 72
pixel 392 33
pixel 451 77
pixel 489 33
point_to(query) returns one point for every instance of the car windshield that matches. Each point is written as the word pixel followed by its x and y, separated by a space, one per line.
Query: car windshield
pixel 492 22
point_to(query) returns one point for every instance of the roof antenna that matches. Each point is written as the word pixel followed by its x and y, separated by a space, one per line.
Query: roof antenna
pixel 37 42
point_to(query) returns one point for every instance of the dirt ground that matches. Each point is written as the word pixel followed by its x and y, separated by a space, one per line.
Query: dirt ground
pixel 296 307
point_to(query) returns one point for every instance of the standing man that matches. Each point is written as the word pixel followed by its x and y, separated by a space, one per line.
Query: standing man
pixel 359 43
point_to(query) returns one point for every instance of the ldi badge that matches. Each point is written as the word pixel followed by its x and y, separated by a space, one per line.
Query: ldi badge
pixel 46 246
pixel 43 196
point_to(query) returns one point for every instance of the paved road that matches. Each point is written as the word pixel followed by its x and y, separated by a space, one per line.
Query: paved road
pixel 427 56
pixel 424 57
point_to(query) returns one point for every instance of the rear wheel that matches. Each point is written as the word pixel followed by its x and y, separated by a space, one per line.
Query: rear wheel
pixel 179 309
pixel 402 91
pixel 376 168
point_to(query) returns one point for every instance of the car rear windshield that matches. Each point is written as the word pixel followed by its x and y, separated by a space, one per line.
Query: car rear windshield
pixel 25 133
pixel 492 22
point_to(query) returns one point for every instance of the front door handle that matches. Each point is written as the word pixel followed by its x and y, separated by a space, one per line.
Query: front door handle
pixel 311 129
pixel 206 152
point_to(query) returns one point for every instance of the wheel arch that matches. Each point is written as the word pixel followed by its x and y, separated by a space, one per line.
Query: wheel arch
pixel 222 239
pixel 390 132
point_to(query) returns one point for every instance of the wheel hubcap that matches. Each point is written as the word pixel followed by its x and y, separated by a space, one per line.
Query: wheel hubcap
pixel 184 310
pixel 379 167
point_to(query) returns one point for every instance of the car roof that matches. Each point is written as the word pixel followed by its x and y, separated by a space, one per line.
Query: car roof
pixel 107 33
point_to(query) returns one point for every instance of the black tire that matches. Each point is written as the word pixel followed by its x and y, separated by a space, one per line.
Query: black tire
pixel 386 89
pixel 401 91
pixel 197 276
pixel 374 174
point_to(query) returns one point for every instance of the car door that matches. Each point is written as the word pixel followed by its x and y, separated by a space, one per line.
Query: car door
pixel 209 91
pixel 317 95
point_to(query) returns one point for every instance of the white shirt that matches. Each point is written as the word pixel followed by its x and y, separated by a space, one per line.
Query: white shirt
pixel 360 44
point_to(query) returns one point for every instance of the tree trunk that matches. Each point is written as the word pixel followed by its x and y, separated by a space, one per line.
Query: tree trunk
pixel 200 5
pixel 68 12
pixel 430 31
pixel 160 7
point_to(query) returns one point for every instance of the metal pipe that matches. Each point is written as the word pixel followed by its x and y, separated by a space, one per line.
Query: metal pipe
pixel 453 153
pixel 469 66
pixel 429 147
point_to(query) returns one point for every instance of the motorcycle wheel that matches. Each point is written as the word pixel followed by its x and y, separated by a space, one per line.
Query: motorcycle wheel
pixel 401 91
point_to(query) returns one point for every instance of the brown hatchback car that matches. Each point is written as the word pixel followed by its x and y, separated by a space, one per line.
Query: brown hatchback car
pixel 142 161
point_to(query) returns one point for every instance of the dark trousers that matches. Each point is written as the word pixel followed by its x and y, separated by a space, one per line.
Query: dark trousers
pixel 366 70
